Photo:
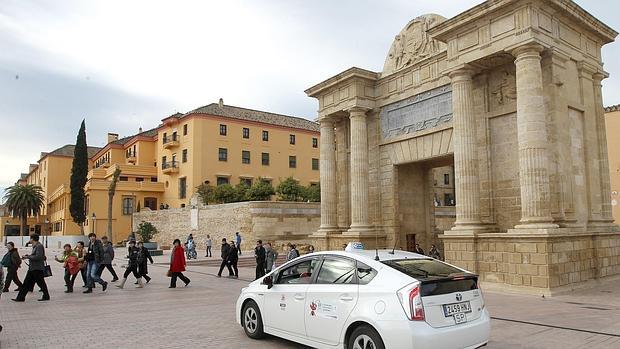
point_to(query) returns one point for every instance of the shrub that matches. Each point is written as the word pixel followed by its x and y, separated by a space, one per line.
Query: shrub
pixel 289 190
pixel 225 193
pixel 206 192
pixel 261 190
pixel 312 193
pixel 146 231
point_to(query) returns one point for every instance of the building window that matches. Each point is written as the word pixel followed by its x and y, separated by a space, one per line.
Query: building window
pixel 291 139
pixel 222 180
pixel 246 181
pixel 174 160
pixel 292 162
pixel 153 179
pixel 184 155
pixel 182 188
pixel 165 138
pixel 246 132
pixel 265 159
pixel 223 154
pixel 315 164
pixel 127 206
pixel 139 179
pixel 123 179
pixel 245 157
pixel 222 130
pixel 185 130
pixel 448 199
pixel 265 136
pixel 446 178
pixel 163 161
pixel 315 142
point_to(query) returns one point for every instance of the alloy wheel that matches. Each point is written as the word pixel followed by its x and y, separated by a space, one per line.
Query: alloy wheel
pixel 363 342
pixel 251 320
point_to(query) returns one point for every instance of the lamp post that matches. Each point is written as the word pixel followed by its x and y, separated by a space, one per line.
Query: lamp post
pixel 47 226
pixel 94 223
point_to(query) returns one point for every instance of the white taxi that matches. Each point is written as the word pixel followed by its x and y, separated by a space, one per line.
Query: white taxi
pixel 343 299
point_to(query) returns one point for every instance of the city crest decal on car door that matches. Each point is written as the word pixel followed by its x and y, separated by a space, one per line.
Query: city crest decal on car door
pixel 323 310
pixel 283 302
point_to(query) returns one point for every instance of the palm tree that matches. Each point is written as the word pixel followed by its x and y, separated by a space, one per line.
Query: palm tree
pixel 23 201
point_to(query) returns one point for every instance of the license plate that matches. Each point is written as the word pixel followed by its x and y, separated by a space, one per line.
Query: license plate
pixel 455 308
pixel 460 318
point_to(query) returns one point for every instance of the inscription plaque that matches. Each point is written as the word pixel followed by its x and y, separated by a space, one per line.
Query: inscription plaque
pixel 420 112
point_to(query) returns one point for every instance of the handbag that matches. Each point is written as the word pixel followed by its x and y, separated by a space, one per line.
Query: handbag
pixel 169 273
pixel 47 271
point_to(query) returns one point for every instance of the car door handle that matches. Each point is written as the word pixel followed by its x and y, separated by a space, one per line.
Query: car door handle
pixel 346 298
pixel 300 297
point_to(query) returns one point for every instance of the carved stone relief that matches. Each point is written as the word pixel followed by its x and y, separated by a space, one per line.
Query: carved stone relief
pixel 502 87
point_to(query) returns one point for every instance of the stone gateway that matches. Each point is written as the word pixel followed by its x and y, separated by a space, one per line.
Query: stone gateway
pixel 508 94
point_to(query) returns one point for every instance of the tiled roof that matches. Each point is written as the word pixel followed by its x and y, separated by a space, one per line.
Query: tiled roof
pixel 256 115
pixel 69 149
pixel 148 133
pixel 612 108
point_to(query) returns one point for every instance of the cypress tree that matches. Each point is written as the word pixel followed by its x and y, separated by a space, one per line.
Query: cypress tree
pixel 79 171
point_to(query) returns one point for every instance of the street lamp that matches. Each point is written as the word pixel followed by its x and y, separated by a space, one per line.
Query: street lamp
pixel 47 226
pixel 94 223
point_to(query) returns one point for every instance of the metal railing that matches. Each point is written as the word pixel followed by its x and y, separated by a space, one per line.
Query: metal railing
pixel 169 164
pixel 173 138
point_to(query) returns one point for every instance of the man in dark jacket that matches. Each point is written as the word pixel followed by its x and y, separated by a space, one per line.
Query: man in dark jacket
pixel 14 263
pixel 108 257
pixel 259 253
pixel 94 258
pixel 225 252
pixel 35 272
pixel 233 258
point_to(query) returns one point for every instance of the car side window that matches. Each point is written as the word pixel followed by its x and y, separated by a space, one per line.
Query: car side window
pixel 299 273
pixel 336 270
pixel 365 273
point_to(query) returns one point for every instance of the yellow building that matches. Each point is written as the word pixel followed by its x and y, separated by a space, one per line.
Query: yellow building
pixel 612 122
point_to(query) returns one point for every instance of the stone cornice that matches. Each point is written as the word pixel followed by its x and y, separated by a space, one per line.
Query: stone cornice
pixel 346 75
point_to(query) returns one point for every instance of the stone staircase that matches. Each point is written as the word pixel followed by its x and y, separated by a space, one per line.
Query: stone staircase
pixel 245 261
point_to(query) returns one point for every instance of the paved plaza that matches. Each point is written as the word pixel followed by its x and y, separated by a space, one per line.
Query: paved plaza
pixel 202 315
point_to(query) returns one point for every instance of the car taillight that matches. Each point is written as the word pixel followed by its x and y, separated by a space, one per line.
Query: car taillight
pixel 411 301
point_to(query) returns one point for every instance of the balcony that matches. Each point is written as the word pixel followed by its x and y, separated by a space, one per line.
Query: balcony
pixel 171 141
pixel 170 167
pixel 131 157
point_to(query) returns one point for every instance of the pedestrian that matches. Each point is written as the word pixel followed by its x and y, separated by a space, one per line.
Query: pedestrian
pixel 259 254
pixel 233 258
pixel 224 251
pixel 35 272
pixel 132 265
pixel 434 252
pixel 177 264
pixel 238 240
pixel 108 257
pixel 1 285
pixel 209 244
pixel 311 249
pixel 271 257
pixel 94 258
pixel 79 249
pixel 143 257
pixel 418 249
pixel 292 252
pixel 70 262
pixel 12 262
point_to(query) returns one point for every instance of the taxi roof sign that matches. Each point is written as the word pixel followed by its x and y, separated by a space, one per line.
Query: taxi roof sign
pixel 354 246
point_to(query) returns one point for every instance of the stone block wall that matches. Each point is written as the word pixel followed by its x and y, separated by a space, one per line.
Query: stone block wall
pixel 276 222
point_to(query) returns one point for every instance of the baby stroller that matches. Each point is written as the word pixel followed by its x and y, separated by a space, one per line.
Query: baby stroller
pixel 190 250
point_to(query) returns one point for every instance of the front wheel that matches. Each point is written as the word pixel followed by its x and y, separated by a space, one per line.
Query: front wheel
pixel 252 321
pixel 365 337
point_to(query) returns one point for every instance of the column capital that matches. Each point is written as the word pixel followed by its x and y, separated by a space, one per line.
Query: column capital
pixel 530 50
pixel 327 122
pixel 598 77
pixel 357 111
pixel 461 74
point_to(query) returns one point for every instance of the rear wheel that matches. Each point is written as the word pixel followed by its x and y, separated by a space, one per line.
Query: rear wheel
pixel 252 321
pixel 365 337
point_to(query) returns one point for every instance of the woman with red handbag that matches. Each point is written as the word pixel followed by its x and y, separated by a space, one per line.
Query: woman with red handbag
pixel 72 266
pixel 177 264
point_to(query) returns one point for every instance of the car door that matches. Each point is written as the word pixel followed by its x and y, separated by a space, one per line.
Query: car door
pixel 330 299
pixel 286 300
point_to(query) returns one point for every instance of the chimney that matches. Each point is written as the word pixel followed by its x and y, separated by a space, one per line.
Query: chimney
pixel 221 103
pixel 140 130
pixel 112 137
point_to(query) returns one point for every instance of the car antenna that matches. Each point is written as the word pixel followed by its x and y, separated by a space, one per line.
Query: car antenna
pixel 395 242
pixel 376 245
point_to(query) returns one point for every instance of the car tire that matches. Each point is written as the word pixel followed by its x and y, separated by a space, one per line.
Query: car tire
pixel 252 321
pixel 365 337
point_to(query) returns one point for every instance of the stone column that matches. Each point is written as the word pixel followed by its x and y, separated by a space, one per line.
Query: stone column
pixel 606 210
pixel 359 171
pixel 329 211
pixel 532 139
pixel 466 178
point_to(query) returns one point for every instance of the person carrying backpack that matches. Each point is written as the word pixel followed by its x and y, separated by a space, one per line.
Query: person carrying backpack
pixel 12 261
pixel 71 264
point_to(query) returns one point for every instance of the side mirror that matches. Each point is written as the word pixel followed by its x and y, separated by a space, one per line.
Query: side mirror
pixel 268 280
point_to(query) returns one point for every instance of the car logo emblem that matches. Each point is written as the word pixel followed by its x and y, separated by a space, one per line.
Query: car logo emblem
pixel 459 297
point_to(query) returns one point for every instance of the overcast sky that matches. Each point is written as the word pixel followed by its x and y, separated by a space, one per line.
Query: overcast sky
pixel 128 64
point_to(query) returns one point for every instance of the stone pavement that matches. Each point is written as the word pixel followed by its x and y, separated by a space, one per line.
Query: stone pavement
pixel 202 315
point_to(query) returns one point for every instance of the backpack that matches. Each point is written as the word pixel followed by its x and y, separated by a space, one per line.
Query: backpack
pixel 6 260
pixel 73 265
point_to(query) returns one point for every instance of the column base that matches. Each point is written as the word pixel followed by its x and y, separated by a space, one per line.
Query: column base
pixel 602 226
pixel 325 231
pixel 359 231
pixel 545 225
pixel 471 229
pixel 524 230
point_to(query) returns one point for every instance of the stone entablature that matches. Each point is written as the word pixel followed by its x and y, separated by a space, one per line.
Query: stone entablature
pixel 525 132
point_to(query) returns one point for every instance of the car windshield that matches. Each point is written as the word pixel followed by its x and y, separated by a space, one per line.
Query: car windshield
pixel 424 268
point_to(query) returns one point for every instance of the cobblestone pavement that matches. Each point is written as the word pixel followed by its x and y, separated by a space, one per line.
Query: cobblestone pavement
pixel 202 315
